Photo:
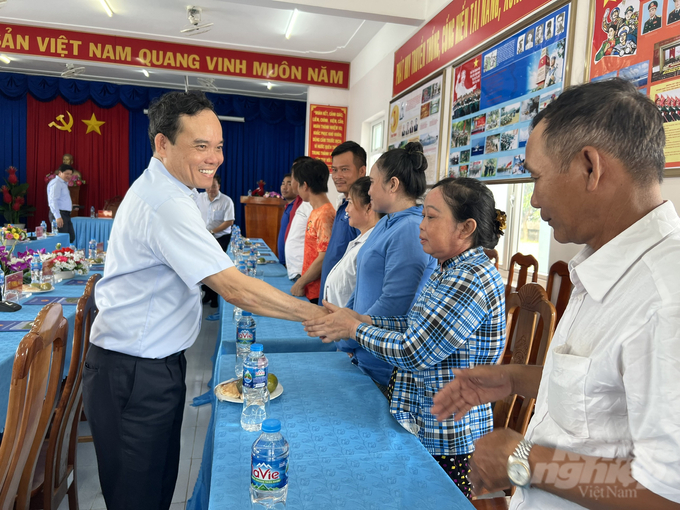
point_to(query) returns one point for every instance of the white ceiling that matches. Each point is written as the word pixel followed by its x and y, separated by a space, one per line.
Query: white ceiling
pixel 325 29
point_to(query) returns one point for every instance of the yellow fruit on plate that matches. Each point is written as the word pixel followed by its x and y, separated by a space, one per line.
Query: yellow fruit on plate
pixel 35 284
pixel 45 286
pixel 272 383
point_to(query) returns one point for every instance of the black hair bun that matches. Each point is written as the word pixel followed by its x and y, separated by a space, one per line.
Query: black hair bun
pixel 414 151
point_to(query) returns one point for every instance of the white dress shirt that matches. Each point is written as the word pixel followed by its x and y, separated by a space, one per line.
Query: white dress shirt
pixel 216 212
pixel 159 252
pixel 295 242
pixel 58 196
pixel 610 382
pixel 342 279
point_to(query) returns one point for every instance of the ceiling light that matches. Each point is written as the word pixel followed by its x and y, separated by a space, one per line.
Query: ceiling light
pixel 5 59
pixel 270 85
pixel 145 72
pixel 107 8
pixel 291 23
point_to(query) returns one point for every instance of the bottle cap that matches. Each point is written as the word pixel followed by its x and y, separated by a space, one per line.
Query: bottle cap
pixel 256 347
pixel 271 425
pixel 246 314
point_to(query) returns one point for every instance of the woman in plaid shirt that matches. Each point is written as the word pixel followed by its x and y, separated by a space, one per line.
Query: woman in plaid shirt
pixel 458 321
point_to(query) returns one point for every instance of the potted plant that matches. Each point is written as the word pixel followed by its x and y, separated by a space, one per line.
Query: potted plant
pixel 13 204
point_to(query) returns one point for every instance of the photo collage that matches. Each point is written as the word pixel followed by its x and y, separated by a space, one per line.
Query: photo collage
pixel 416 117
pixel 498 93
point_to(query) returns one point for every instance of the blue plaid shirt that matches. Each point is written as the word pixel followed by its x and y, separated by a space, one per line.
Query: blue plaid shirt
pixel 458 321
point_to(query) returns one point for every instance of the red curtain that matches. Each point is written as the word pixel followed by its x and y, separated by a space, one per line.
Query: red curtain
pixel 102 159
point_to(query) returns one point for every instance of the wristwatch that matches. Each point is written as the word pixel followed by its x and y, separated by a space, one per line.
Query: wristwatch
pixel 519 471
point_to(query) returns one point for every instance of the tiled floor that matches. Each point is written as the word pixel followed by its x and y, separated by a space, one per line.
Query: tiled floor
pixel 194 426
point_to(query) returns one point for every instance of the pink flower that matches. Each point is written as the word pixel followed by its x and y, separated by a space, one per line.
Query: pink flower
pixel 16 206
pixel 12 179
pixel 7 198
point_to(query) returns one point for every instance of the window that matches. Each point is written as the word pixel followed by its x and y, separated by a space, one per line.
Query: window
pixel 525 231
pixel 377 142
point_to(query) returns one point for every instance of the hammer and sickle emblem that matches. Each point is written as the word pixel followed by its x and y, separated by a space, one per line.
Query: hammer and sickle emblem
pixel 65 126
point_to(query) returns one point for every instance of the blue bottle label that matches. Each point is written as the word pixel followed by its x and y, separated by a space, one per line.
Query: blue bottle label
pixel 268 475
pixel 255 377
pixel 245 336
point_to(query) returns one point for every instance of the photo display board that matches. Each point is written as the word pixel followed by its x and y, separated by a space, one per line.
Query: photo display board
pixel 640 42
pixel 497 93
pixel 416 117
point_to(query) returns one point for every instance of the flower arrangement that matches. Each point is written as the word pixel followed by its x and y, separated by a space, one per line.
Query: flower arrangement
pixel 10 263
pixel 76 179
pixel 13 202
pixel 65 259
pixel 12 233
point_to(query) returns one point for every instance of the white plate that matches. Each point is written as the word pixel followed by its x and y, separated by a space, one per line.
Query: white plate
pixel 277 392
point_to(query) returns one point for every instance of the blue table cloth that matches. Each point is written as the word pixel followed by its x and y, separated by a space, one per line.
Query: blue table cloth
pixel 49 243
pixel 9 341
pixel 346 450
pixel 91 228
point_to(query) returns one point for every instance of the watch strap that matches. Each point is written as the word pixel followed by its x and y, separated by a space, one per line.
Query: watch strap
pixel 523 449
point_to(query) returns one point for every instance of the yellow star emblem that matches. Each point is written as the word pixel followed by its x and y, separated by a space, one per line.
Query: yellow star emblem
pixel 93 124
pixel 476 62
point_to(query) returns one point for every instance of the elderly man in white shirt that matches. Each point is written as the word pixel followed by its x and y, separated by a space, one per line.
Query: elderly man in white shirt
pixel 59 200
pixel 295 242
pixel 606 429
pixel 149 307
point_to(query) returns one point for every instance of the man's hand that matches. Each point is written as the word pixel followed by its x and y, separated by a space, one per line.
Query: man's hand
pixel 341 323
pixel 488 467
pixel 471 387
pixel 297 289
pixel 60 222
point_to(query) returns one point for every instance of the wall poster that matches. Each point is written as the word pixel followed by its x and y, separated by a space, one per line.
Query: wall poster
pixel 497 93
pixel 416 117
pixel 639 41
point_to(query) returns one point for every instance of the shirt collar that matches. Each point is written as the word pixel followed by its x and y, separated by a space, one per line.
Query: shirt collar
pixel 219 193
pixel 466 255
pixel 392 218
pixel 598 271
pixel 155 165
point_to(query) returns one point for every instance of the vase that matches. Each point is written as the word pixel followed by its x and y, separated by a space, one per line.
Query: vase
pixel 65 275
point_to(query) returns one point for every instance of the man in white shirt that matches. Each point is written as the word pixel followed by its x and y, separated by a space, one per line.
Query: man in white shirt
pixel 606 428
pixel 295 240
pixel 59 200
pixel 149 307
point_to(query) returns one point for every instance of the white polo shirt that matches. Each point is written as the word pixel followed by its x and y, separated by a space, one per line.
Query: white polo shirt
pixel 295 242
pixel 610 382
pixel 159 252
pixel 342 279
pixel 216 212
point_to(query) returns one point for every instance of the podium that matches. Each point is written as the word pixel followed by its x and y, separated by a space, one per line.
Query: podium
pixel 263 219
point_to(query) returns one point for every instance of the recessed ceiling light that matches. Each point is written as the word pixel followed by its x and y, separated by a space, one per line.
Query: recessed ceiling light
pixel 107 8
pixel 291 23
pixel 145 72
pixel 270 85
pixel 5 59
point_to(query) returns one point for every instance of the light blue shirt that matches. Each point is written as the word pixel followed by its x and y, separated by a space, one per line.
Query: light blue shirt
pixel 58 197
pixel 159 252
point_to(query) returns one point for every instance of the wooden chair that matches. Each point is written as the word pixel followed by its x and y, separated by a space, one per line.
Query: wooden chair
pixel 524 262
pixel 561 269
pixel 56 475
pixel 493 256
pixel 52 327
pixel 526 309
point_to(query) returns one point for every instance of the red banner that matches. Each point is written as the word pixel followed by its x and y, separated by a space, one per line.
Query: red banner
pixel 327 130
pixel 639 41
pixel 458 28
pixel 110 49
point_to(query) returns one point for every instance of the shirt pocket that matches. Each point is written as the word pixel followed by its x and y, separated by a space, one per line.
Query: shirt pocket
pixel 566 392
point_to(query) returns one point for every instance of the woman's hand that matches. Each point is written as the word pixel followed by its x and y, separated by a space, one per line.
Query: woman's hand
pixel 340 323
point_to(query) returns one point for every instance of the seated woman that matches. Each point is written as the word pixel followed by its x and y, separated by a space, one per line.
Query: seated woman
pixel 342 279
pixel 458 321
pixel 391 265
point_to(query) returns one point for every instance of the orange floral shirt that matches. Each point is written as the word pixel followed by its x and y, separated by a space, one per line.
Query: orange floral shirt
pixel 319 226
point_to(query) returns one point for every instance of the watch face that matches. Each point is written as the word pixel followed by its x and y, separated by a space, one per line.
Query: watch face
pixel 519 474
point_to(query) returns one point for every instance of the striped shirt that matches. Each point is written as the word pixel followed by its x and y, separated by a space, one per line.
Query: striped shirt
pixel 458 321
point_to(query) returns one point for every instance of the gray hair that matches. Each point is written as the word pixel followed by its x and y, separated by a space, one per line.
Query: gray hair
pixel 610 115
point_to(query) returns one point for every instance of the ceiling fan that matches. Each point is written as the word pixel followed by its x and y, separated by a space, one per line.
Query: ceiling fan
pixel 71 71
pixel 207 84
pixel 195 26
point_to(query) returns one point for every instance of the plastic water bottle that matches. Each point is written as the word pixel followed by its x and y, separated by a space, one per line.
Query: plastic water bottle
pixel 245 337
pixel 255 392
pixel 251 263
pixel 93 213
pixel 44 227
pixel 55 228
pixel 2 285
pixel 269 467
pixel 36 269
pixel 237 311
pixel 92 249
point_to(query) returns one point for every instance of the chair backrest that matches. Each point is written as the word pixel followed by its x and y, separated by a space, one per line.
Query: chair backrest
pixel 52 327
pixel 561 269
pixel 493 256
pixel 26 396
pixel 526 309
pixel 61 448
pixel 524 262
